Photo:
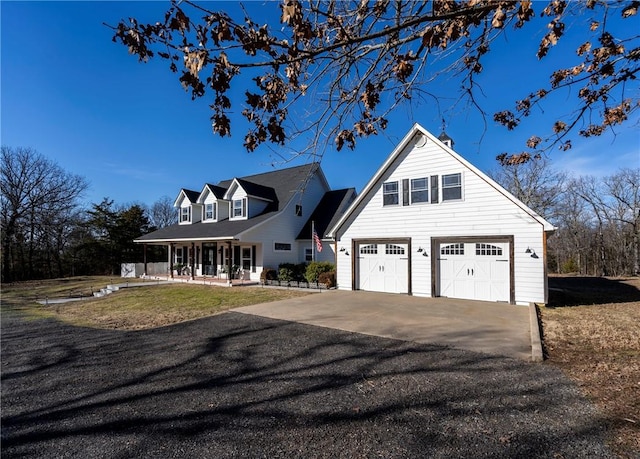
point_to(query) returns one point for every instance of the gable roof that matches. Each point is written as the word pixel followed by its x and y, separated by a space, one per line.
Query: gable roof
pixel 416 129
pixel 327 212
pixel 256 190
pixel 191 195
pixel 279 185
pixel 215 190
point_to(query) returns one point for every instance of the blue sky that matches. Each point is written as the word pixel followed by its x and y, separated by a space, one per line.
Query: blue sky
pixel 131 130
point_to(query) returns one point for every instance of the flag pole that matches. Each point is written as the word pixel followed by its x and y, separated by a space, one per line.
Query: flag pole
pixel 313 248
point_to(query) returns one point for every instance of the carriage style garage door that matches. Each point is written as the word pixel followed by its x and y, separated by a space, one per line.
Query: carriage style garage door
pixel 474 270
pixel 383 267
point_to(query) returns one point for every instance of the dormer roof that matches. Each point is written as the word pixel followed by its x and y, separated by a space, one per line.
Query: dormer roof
pixel 190 195
pixel 255 190
pixel 215 190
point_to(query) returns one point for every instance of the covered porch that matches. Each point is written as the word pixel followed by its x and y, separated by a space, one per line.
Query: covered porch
pixel 210 261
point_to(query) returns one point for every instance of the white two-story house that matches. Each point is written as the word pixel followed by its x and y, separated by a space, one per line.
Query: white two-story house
pixel 245 224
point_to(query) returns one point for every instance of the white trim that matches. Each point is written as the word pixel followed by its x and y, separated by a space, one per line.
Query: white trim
pixel 416 128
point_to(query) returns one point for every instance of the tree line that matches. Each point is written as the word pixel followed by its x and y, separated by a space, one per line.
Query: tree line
pixel 47 233
pixel 597 218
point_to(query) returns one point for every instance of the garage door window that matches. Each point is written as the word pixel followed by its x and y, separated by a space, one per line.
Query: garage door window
pixel 452 249
pixel 488 249
pixel 370 249
pixel 392 249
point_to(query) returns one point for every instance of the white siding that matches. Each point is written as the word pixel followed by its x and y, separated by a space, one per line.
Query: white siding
pixel 286 227
pixel 222 211
pixel 255 206
pixel 327 254
pixel 238 193
pixel 483 211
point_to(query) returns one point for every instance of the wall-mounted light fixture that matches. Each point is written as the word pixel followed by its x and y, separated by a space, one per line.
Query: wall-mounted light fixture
pixel 420 250
pixel 532 252
pixel 346 253
pixel 342 249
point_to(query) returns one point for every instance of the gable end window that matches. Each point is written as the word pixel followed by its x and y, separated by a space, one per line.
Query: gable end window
pixel 451 187
pixel 390 194
pixel 185 214
pixel 419 190
pixel 239 208
pixel 210 211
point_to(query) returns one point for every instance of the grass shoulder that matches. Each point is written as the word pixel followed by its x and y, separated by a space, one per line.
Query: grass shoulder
pixel 145 306
pixel 591 332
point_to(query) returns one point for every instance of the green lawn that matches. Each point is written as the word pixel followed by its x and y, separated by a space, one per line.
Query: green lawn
pixel 131 308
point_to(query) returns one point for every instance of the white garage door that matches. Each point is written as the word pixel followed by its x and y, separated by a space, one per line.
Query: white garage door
pixel 383 267
pixel 474 270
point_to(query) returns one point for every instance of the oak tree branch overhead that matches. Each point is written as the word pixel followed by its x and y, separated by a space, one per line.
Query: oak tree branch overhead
pixel 337 69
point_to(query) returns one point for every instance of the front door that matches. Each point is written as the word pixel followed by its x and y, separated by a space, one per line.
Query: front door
pixel 209 265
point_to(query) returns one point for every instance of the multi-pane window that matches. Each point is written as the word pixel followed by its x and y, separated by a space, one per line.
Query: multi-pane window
pixel 452 249
pixel 239 207
pixel 390 193
pixel 185 214
pixel 281 246
pixel 392 249
pixel 210 211
pixel 488 249
pixel 370 249
pixel 419 190
pixel 451 187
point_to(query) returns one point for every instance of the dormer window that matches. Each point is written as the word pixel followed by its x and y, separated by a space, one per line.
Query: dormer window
pixel 185 214
pixel 210 211
pixel 239 208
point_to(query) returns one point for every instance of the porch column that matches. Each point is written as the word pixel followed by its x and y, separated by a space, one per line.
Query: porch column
pixel 144 257
pixel 172 248
pixel 230 261
pixel 193 260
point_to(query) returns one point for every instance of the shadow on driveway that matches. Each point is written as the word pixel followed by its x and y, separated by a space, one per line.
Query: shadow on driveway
pixel 237 385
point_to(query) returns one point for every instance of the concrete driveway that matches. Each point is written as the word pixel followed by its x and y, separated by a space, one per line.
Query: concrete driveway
pixel 492 328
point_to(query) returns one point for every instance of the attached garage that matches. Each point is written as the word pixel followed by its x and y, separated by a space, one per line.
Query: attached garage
pixel 382 266
pixel 473 268
pixel 429 223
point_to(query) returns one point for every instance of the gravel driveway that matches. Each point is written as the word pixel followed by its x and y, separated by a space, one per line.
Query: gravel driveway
pixel 236 385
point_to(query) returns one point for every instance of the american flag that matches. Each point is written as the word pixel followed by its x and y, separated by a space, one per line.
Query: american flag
pixel 317 241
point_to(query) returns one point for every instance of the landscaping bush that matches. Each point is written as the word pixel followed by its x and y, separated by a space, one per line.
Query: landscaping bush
pixel 268 274
pixel 315 268
pixel 285 274
pixel 292 272
pixel 328 278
